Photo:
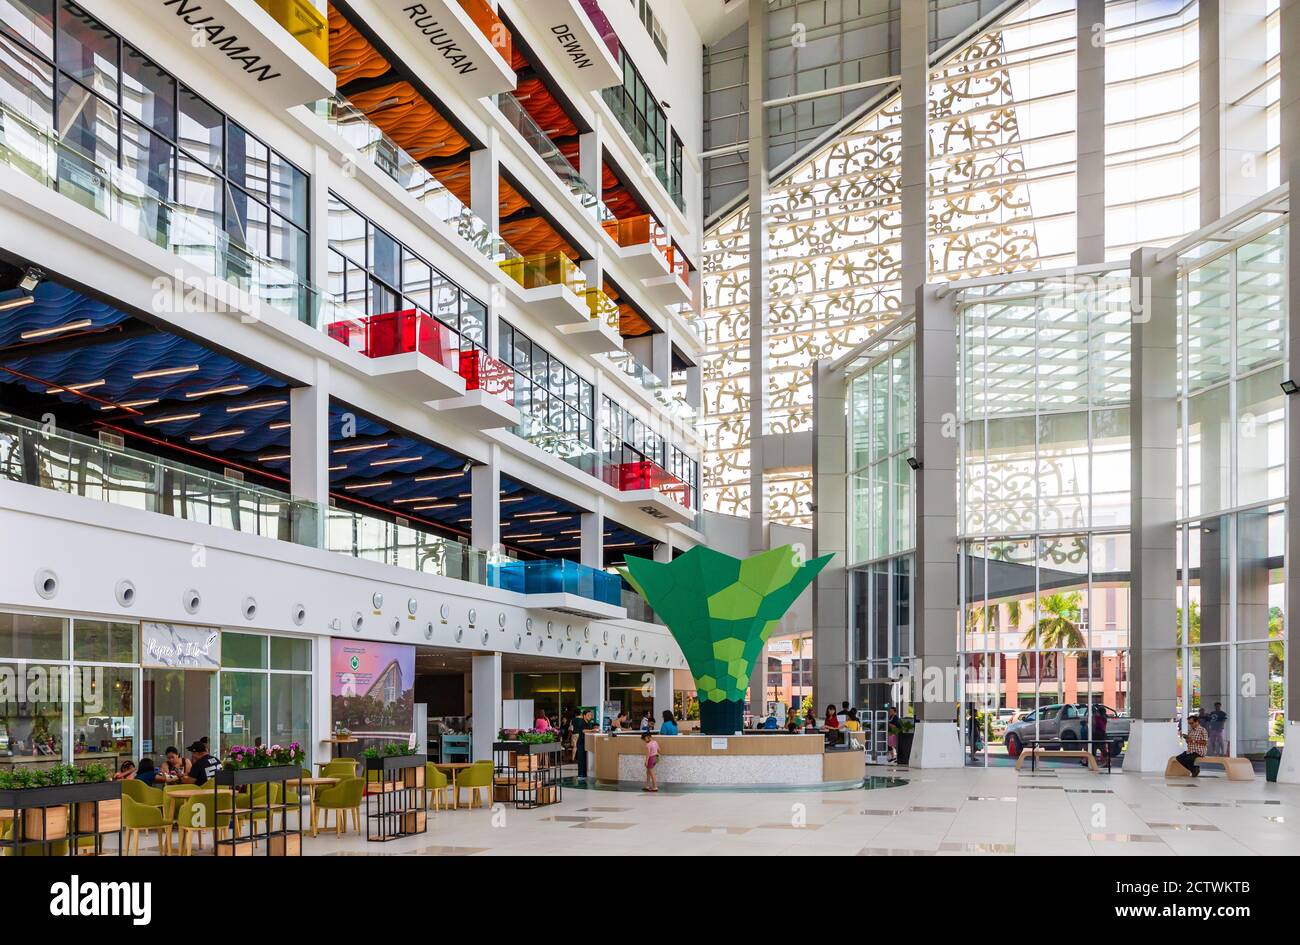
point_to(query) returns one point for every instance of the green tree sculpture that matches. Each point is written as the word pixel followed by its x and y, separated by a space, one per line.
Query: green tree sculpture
pixel 721 610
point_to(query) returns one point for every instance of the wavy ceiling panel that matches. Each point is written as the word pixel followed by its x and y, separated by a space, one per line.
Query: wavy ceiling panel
pixel 352 56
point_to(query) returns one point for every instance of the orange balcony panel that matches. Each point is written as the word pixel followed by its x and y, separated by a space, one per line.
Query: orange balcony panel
pixel 486 19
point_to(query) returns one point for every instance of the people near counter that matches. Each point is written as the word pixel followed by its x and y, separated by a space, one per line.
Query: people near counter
pixel 810 723
pixel 832 717
pixel 580 725
pixel 126 772
pixel 669 725
pixel 851 720
pixel 618 723
pixel 542 723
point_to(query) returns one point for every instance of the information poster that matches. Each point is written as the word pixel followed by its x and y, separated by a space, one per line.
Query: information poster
pixel 372 688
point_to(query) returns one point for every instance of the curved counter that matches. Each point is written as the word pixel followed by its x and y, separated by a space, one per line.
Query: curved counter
pixel 749 760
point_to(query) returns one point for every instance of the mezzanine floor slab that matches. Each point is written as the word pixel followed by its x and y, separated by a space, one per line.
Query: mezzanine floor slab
pixel 967 812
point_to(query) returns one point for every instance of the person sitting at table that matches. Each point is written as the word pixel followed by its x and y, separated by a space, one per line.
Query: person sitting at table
pixel 851 721
pixel 174 767
pixel 669 725
pixel 203 766
pixel 126 772
pixel 145 772
pixel 542 724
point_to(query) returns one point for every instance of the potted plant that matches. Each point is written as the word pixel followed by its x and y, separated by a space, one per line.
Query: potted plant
pixel 258 764
pixel 40 798
pixel 396 766
pixel 904 731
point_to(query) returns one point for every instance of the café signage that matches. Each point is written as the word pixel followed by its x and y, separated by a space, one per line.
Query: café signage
pixel 179 646
pixel 242 41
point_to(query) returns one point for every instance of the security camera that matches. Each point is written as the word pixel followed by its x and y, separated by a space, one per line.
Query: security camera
pixel 913 463
pixel 32 277
pixel 469 464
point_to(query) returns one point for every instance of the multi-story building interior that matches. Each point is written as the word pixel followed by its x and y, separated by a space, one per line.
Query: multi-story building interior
pixel 348 348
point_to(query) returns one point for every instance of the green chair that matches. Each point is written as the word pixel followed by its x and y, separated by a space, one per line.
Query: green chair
pixel 138 816
pixel 142 793
pixel 437 784
pixel 340 798
pixel 202 813
pixel 340 768
pixel 477 777
pixel 253 805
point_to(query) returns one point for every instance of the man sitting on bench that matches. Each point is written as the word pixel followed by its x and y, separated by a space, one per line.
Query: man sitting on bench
pixel 1198 741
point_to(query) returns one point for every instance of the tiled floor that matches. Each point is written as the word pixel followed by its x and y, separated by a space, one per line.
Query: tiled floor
pixel 967 812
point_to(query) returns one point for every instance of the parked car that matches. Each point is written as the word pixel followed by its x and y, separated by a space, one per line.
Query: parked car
pixel 1063 722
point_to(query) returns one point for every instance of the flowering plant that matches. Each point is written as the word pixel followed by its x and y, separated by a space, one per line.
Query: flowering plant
pixel 260 756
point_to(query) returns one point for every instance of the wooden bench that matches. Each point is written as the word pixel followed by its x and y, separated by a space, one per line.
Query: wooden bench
pixel 1044 753
pixel 1237 769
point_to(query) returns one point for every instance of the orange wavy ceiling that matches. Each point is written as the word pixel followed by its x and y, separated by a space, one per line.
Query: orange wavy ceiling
pixel 631 324
pixel 351 55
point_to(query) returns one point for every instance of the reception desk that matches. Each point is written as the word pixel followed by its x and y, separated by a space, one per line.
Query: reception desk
pixel 740 760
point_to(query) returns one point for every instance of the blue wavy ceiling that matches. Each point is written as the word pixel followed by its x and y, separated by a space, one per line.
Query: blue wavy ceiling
pixel 263 433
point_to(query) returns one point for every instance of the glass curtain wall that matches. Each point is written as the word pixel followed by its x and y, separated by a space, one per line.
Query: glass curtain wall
pixel 1231 494
pixel 265 690
pixel 881 490
pixel 1044 504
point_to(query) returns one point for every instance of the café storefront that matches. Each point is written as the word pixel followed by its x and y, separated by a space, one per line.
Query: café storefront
pixel 86 690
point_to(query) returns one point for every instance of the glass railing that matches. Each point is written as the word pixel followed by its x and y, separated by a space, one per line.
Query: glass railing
pixel 185 232
pixel 645 474
pixel 559 576
pixel 304 23
pixel 393 543
pixel 640 231
pixel 602 308
pixel 514 112
pixel 486 19
pixel 483 372
pixel 78 465
pixel 641 140
pixel 364 135
pixel 673 401
pixel 545 269
pixel 637 608
pixel 410 330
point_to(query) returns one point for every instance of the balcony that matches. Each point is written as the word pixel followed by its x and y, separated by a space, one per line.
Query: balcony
pixel 461 42
pixel 77 465
pixel 578 32
pixel 675 287
pixel 488 401
pixel 246 43
pixel 36 153
pixel 563 586
pixel 303 22
pixel 643 245
pixel 656 388
pixel 548 284
pixel 654 490
pixel 536 138
pixel 413 355
pixel 351 124
pixel 599 334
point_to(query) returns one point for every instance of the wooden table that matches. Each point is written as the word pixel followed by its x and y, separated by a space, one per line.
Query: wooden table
pixel 452 767
pixel 311 784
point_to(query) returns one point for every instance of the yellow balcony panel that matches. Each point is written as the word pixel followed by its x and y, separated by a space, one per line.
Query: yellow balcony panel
pixel 304 23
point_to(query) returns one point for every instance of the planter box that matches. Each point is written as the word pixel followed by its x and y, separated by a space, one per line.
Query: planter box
pixel 234 849
pixel 45 823
pixel 530 749
pixel 904 750
pixel 288 845
pixel 109 818
pixel 390 765
pixel 242 777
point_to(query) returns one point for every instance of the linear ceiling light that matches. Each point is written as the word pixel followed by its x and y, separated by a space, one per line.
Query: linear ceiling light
pixel 172 418
pixel 46 332
pixel 396 460
pixel 260 405
pixel 130 404
pixel 228 389
pixel 438 477
pixel 273 457
pixel 165 372
pixel 369 485
pixel 84 385
pixel 360 448
pixel 22 301
pixel 223 434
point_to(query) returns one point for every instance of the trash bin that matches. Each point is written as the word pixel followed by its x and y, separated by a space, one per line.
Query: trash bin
pixel 1272 761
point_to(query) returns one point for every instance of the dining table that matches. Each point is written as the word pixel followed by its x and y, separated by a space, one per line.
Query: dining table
pixel 452 768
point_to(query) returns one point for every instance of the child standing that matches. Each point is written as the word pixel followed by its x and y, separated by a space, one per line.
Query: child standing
pixel 651 759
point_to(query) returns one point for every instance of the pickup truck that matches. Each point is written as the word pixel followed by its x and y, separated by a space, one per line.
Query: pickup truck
pixel 1064 722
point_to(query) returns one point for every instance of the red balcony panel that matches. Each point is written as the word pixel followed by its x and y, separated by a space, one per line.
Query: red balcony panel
pixel 485 373
pixel 644 474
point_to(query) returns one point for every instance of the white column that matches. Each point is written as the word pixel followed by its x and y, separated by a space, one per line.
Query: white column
pixel 661 356
pixel 593 691
pixel 309 444
pixel 914 58
pixel 486 703
pixel 1234 110
pixel 832 621
pixel 937 742
pixel 663 694
pixel 1153 408
pixel 318 245
pixel 591 161
pixel 485 501
pixel 663 552
pixel 1090 97
pixel 592 539
pixel 485 181
pixel 322 684
pixel 758 258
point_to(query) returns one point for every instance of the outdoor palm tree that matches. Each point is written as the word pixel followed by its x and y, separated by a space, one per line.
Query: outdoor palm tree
pixel 1057 626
